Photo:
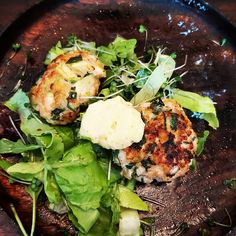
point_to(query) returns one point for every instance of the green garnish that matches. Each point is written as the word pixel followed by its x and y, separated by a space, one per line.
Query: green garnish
pixel 197 103
pixel 72 95
pixel 230 183
pixel 23 231
pixel 173 55
pixel 56 114
pixel 174 121
pixel 223 42
pixel 74 59
pixel 193 165
pixel 201 142
pixel 142 29
pixel 16 47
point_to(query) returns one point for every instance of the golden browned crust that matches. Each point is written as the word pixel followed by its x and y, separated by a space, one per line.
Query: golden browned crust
pixel 168 145
pixel 65 85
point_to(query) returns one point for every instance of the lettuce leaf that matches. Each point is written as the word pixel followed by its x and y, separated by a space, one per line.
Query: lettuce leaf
pixel 52 139
pixel 26 170
pixel 83 219
pixel 201 142
pixel 82 180
pixel 197 103
pixel 54 52
pixel 7 146
pixel 129 199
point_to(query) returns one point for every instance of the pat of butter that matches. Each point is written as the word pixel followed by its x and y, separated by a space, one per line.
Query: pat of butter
pixel 113 124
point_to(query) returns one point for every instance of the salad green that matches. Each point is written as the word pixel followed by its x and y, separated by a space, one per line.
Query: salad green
pixel 77 176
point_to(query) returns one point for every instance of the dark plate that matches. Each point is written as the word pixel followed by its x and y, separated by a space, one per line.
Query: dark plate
pixel 186 27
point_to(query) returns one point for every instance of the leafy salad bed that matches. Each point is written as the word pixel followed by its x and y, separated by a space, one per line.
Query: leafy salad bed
pixel 81 178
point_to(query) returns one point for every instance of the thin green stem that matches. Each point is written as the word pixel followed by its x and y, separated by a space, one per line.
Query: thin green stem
pixel 14 179
pixel 18 220
pixel 33 214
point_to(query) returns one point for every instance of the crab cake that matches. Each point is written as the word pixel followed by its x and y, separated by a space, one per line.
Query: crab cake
pixel 64 86
pixel 168 145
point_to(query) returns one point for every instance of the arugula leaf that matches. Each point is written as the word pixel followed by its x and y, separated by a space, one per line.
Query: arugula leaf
pixel 83 219
pixel 84 182
pixel 103 224
pixel 26 170
pixel 197 103
pixel 7 146
pixel 107 55
pixel 54 52
pixel 161 73
pixel 67 135
pixel 53 193
pixel 111 200
pixel 43 134
pixel 129 199
pixel 201 142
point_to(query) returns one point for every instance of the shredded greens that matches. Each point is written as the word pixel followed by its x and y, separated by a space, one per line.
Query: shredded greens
pixel 80 178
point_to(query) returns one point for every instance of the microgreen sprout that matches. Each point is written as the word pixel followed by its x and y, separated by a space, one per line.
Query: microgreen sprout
pixel 149 223
pixel 23 231
pixel 16 47
pixel 230 183
pixel 213 222
pixel 223 42
pixel 173 55
pixel 17 131
pixel 142 29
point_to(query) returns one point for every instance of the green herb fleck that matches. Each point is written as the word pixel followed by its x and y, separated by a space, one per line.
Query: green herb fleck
pixel 156 106
pixel 16 47
pixel 129 166
pixel 72 95
pixel 174 121
pixel 74 59
pixel 56 113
